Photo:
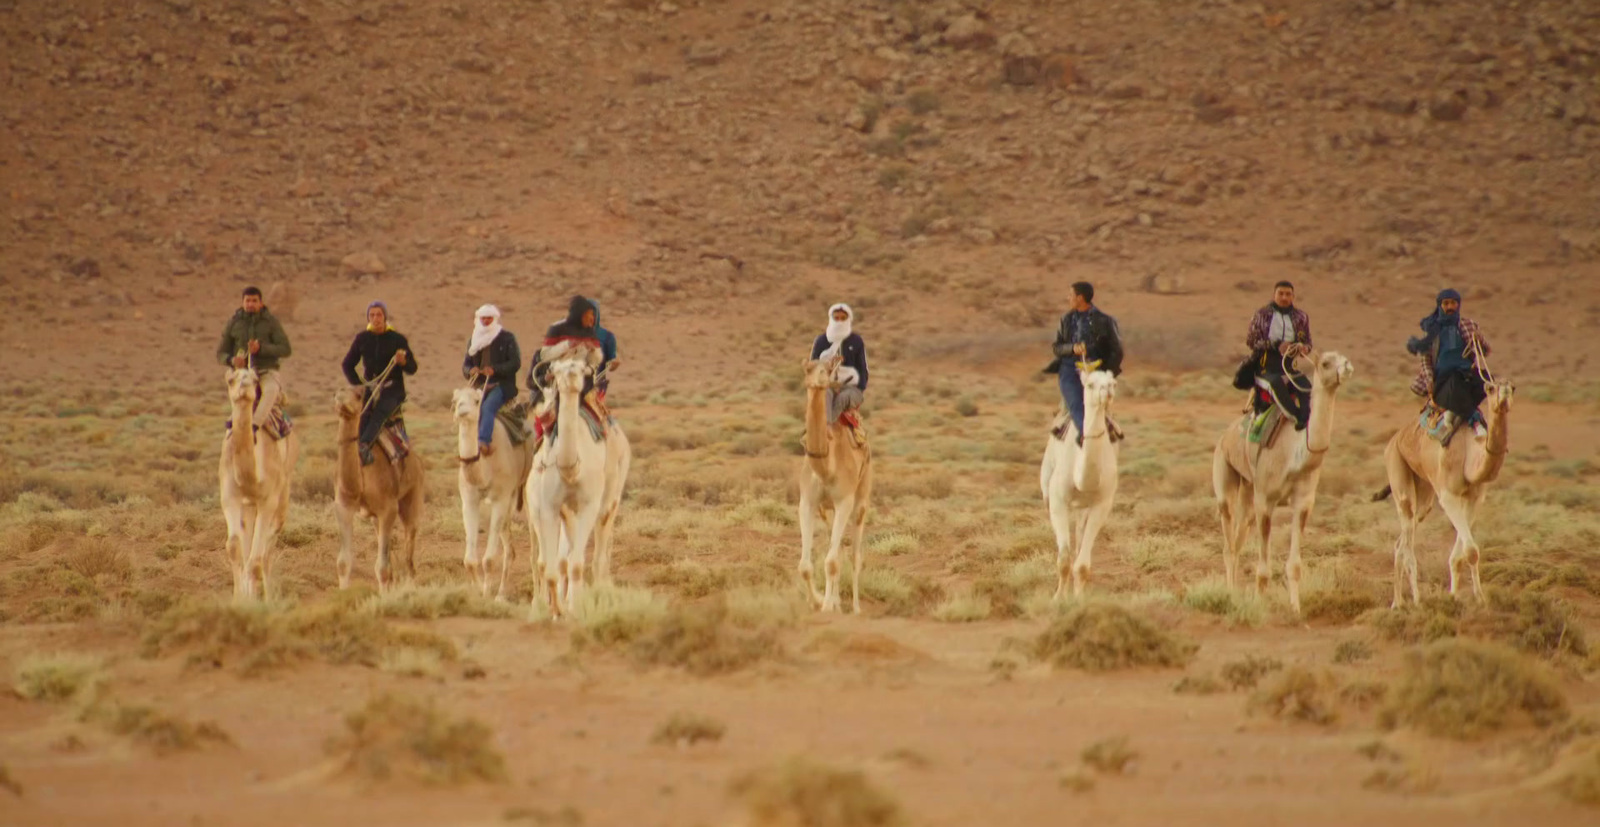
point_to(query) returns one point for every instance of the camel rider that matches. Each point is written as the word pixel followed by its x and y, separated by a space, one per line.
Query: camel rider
pixel 1450 372
pixel 493 357
pixel 838 339
pixel 1087 340
pixel 1278 333
pixel 608 349
pixel 580 327
pixel 375 349
pixel 254 338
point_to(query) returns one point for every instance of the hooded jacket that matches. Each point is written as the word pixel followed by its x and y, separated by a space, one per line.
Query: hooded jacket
pixel 1097 332
pixel 261 326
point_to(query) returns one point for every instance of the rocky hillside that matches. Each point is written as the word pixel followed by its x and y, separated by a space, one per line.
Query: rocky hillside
pixel 729 167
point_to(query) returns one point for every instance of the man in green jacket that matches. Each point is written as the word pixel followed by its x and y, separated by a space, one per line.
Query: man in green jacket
pixel 253 337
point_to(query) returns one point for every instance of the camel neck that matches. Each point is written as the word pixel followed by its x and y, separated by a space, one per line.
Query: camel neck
pixel 349 466
pixel 1319 430
pixel 817 441
pixel 1485 459
pixel 570 421
pixel 1096 450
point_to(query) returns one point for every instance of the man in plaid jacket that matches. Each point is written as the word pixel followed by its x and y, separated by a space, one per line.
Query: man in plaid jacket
pixel 1278 333
pixel 1450 372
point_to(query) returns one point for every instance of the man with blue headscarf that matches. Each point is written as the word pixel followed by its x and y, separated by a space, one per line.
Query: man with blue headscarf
pixel 1450 351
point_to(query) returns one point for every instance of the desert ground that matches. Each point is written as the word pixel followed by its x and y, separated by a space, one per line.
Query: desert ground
pixel 716 174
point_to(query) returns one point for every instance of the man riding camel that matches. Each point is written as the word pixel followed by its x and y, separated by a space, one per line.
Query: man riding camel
pixel 1086 337
pixel 1278 333
pixel 254 338
pixel 580 328
pixel 1450 371
pixel 375 349
pixel 838 339
pixel 492 354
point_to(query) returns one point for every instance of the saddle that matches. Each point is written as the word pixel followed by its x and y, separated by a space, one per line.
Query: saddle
pixel 1262 428
pixel 393 439
pixel 1441 425
pixel 592 410
pixel 515 419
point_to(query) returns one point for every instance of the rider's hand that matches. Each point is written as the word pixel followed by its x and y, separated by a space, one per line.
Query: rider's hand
pixel 255 346
pixel 488 371
pixel 238 361
pixel 472 374
pixel 400 357
pixel 1079 350
pixel 613 364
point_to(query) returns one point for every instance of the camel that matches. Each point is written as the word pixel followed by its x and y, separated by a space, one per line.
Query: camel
pixel 494 480
pixel 575 489
pixel 381 491
pixel 1421 470
pixel 1251 480
pixel 1079 483
pixel 253 475
pixel 836 477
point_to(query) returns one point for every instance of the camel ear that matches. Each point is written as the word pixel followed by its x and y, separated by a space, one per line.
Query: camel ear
pixel 805 364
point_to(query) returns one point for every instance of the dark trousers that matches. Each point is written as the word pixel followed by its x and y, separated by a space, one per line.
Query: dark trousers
pixel 1072 392
pixel 1286 387
pixel 373 418
pixel 1459 392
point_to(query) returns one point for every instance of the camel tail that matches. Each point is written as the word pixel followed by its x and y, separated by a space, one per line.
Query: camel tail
pixel 1383 495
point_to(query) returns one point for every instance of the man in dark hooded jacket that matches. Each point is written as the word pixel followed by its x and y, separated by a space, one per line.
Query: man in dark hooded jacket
pixel 579 327
pixel 1450 354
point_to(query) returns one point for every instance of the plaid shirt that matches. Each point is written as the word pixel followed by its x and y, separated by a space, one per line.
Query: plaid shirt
pixel 1261 328
pixel 1476 344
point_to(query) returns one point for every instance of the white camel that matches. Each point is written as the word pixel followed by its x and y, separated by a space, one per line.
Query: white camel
pixel 568 490
pixel 253 475
pixel 1079 483
pixel 495 481
pixel 1249 481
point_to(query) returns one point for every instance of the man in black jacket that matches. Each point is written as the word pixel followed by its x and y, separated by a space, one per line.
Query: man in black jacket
pixel 492 353
pixel 374 348
pixel 1089 338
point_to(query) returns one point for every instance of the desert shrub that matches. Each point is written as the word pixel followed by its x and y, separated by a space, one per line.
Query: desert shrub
pixel 962 609
pixel 400 738
pixel 1299 695
pixel 1110 756
pixel 1104 636
pixel 1352 651
pixel 701 639
pixel 1245 674
pixel 804 793
pixel 1212 596
pixel 434 602
pixel 1464 689
pixel 60 677
pixel 1533 622
pixel 162 732
pixel 1197 685
pixel 685 729
pixel 1581 783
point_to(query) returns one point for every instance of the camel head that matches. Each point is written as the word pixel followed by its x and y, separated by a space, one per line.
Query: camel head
pixel 347 403
pixel 820 373
pixel 1099 388
pixel 1330 369
pixel 1500 393
pixel 243 385
pixel 464 405
pixel 567 376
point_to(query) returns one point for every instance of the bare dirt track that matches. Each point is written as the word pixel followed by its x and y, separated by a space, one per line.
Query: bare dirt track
pixel 717 173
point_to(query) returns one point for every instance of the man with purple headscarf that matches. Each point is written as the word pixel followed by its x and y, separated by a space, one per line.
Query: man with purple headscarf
pixel 374 348
pixel 1450 350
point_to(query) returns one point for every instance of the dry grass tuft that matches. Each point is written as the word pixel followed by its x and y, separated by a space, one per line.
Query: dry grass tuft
pixel 1197 685
pixel 163 733
pixel 1103 636
pixel 261 637
pixel 686 729
pixel 967 608
pixel 802 793
pixel 1213 597
pixel 702 638
pixel 434 602
pixel 1533 622
pixel 8 783
pixel 1245 674
pixel 401 738
pixel 1581 784
pixel 1352 651
pixel 1298 695
pixel 63 676
pixel 1111 756
pixel 1463 690
pixel 413 663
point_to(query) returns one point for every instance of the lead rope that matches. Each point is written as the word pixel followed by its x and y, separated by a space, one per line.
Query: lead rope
pixel 377 382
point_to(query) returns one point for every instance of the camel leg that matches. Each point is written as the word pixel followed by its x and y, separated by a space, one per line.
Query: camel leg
pixel 1402 488
pixel 347 529
pixel 549 535
pixel 247 534
pixel 809 496
pixel 602 543
pixel 411 524
pixel 1061 520
pixel 859 517
pixel 1263 517
pixel 830 564
pixel 383 568
pixel 492 545
pixel 469 521
pixel 1094 520
pixel 266 540
pixel 581 525
pixel 510 552
pixel 1303 503
pixel 1225 486
pixel 1465 553
pixel 237 546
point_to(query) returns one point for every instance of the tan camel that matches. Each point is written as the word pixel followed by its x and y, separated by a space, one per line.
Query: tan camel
pixel 568 490
pixel 381 491
pixel 253 475
pixel 494 480
pixel 1421 470
pixel 835 483
pixel 1251 480
pixel 1079 483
